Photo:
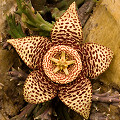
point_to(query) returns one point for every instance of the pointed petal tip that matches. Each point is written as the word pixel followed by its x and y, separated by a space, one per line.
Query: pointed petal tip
pixel 96 59
pixel 78 96
pixel 31 49
pixel 73 4
pixel 11 41
pixel 38 89
pixel 68 28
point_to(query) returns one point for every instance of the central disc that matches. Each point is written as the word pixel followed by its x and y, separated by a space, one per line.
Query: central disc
pixel 62 64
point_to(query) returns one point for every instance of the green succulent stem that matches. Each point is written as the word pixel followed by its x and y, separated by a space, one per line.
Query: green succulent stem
pixel 40 19
pixel 19 4
pixel 15 30
pixel 37 21
pixel 33 20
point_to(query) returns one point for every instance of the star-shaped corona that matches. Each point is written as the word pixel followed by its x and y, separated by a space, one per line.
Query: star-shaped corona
pixel 62 67
pixel 62 63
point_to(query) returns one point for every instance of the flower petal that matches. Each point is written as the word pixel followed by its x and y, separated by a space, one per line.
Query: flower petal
pixel 31 49
pixel 77 95
pixel 38 88
pixel 96 59
pixel 68 30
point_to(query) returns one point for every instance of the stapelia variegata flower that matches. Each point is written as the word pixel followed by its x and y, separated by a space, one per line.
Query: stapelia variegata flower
pixel 62 65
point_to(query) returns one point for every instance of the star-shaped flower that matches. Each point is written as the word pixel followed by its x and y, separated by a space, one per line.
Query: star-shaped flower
pixel 63 65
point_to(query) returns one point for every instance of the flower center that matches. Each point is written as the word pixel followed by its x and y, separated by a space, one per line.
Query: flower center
pixel 62 64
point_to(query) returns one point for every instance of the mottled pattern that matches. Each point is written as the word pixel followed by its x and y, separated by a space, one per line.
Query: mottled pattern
pixel 91 61
pixel 77 95
pixel 38 89
pixel 67 29
pixel 31 49
pixel 96 59
pixel 61 77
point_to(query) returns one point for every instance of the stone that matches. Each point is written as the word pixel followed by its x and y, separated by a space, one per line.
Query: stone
pixel 103 28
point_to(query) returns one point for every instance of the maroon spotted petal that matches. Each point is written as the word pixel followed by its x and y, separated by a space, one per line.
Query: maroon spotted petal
pixel 96 59
pixel 77 95
pixel 38 88
pixel 67 29
pixel 31 49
